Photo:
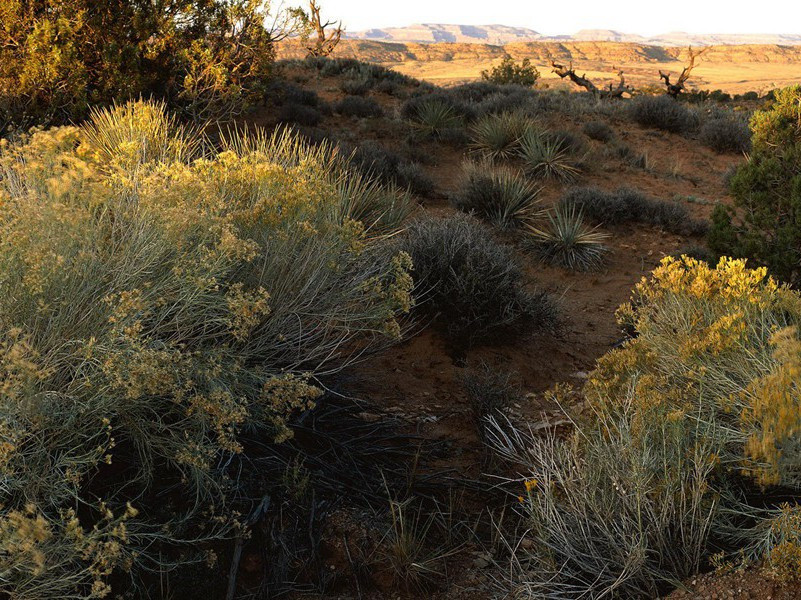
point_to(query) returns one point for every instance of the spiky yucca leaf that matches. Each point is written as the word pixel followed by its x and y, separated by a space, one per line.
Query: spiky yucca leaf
pixel 547 159
pixel 499 194
pixel 433 117
pixel 568 243
pixel 497 136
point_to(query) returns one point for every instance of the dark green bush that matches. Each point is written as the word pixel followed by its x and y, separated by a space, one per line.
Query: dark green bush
pixel 510 72
pixel 726 135
pixel 626 205
pixel 470 284
pixel 59 57
pixel 662 112
pixel 765 222
pixel 356 106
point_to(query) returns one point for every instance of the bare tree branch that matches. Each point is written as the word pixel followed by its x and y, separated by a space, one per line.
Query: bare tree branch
pixel 674 89
pixel 582 81
pixel 326 41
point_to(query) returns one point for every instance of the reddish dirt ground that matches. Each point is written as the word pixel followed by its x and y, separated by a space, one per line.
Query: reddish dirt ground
pixel 419 381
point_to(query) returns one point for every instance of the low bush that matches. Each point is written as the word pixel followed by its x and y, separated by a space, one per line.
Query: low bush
pixel 357 87
pixel 567 242
pixel 598 130
pixel 469 283
pixel 374 160
pixel 421 103
pixel 662 112
pixel 565 140
pixel 726 135
pixel 308 116
pixel 356 106
pixel 159 299
pixel 690 445
pixel 498 194
pixel 626 205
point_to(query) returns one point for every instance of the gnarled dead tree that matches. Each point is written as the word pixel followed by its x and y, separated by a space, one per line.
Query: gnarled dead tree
pixel 610 92
pixel 674 89
pixel 326 40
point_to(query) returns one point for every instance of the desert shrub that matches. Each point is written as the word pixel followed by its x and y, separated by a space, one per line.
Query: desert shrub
pixel 626 205
pixel 356 106
pixel 58 58
pixel 282 92
pixel 509 72
pixel 374 160
pixel 546 158
pixel 764 223
pixel 511 100
pixel 567 242
pixel 490 391
pixel 498 194
pixel 476 91
pixel 725 135
pixel 158 299
pixel 662 112
pixel 693 424
pixel 308 116
pixel 471 284
pixel 497 136
pixel 422 102
pixel 598 130
pixel 356 87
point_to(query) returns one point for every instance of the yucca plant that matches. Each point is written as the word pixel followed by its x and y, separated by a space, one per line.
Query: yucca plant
pixel 546 158
pixel 498 194
pixel 434 117
pixel 568 242
pixel 497 136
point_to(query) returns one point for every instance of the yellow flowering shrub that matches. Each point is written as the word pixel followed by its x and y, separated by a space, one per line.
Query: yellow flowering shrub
pixel 697 412
pixel 156 298
pixel 721 341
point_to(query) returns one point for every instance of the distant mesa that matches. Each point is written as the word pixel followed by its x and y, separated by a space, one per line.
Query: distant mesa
pixel 499 35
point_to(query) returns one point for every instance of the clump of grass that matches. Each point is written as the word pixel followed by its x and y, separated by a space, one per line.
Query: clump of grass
pixel 470 284
pixel 726 134
pixel 498 194
pixel 544 158
pixel 497 136
pixel 662 112
pixel 567 242
pixel 625 205
pixel 490 391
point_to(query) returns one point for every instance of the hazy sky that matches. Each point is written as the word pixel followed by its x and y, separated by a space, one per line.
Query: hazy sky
pixel 646 17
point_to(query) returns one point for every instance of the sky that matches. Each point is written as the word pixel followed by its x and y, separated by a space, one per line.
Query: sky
pixel 644 17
